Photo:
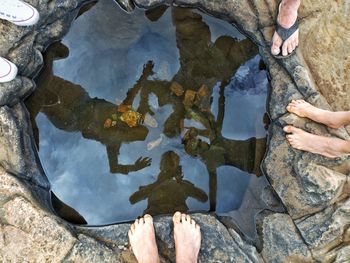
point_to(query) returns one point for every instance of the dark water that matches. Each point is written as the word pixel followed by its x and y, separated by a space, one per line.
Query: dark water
pixel 197 83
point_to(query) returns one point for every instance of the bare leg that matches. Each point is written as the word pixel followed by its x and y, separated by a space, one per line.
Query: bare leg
pixel 326 146
pixel 143 240
pixel 288 14
pixel 331 119
pixel 187 237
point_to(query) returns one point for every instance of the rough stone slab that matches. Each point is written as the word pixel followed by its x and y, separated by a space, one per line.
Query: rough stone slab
pixel 116 236
pixel 322 185
pixel 278 165
pixel 325 230
pixel 17 152
pixel 343 255
pixel 283 88
pixel 250 250
pixel 11 186
pixel 36 234
pixel 88 250
pixel 281 241
pixel 11 92
pixel 217 243
pixel 325 53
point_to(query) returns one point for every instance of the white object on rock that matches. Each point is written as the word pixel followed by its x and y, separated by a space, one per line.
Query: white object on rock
pixel 8 70
pixel 18 12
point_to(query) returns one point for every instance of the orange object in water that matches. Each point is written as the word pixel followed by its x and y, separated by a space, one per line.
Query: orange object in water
pixel 131 118
pixel 123 108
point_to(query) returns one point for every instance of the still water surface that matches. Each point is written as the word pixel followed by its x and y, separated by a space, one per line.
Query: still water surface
pixel 191 87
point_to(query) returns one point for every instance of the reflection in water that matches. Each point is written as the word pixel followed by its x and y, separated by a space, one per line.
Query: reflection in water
pixel 173 83
pixel 169 193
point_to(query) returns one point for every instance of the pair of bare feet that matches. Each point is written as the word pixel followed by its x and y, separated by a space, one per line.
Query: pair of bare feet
pixel 327 146
pixel 287 16
pixel 187 237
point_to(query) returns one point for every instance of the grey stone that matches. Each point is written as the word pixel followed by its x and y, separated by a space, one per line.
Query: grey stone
pixel 281 241
pixel 89 250
pixel 12 92
pixel 325 230
pixel 17 152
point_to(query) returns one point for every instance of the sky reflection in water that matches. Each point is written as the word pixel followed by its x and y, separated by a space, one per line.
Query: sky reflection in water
pixel 107 53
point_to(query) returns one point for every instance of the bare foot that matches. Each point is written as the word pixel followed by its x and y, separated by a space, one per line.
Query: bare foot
pixel 326 146
pixel 187 237
pixel 143 240
pixel 287 15
pixel 329 118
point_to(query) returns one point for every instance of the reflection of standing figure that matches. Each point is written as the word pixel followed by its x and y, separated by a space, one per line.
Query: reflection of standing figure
pixel 69 107
pixel 202 62
pixel 169 193
pixel 245 155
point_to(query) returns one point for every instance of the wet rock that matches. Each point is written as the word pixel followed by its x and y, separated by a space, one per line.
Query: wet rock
pixel 281 240
pixel 177 89
pixel 202 100
pixel 190 96
pixel 127 5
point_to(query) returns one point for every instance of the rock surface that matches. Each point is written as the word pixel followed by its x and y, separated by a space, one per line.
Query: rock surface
pixel 314 190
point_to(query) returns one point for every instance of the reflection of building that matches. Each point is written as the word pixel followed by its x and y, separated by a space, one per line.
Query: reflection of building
pixel 169 193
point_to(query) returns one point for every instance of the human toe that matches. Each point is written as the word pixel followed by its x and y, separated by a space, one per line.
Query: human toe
pixel 285 49
pixel 177 217
pixel 148 219
pixel 276 44
pixel 289 129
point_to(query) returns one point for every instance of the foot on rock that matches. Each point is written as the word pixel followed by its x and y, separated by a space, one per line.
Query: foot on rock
pixel 143 240
pixel 326 146
pixel 305 109
pixel 287 16
pixel 187 237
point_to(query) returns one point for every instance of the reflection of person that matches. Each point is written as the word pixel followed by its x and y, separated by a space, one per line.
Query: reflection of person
pixel 245 155
pixel 187 237
pixel 20 14
pixel 169 193
pixel 69 107
pixel 202 62
pixel 327 146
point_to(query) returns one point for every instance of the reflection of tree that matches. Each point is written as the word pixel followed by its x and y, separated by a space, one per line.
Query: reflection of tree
pixel 245 155
pixel 201 63
pixel 69 107
pixel 170 191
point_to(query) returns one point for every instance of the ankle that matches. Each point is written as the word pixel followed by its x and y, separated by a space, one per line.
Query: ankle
pixel 186 259
pixel 294 4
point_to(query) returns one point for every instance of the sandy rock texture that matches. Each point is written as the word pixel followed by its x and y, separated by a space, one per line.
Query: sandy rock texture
pixel 314 190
